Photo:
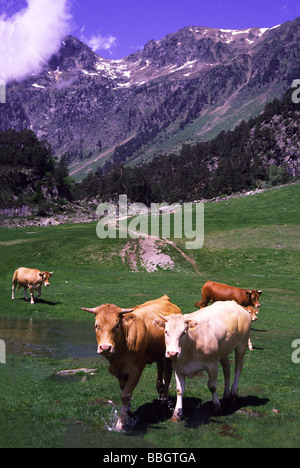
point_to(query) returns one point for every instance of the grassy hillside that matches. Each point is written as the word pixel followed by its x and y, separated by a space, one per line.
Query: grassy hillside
pixel 262 152
pixel 253 242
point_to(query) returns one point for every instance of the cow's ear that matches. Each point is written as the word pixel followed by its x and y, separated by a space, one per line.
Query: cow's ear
pixel 41 274
pixel 192 325
pixel 51 273
pixel 249 293
pixel 128 318
pixel 159 323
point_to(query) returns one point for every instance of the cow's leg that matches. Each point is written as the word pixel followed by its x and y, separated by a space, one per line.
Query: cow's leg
pixel 132 381
pixel 250 345
pixel 167 378
pixel 226 370
pixel 39 291
pixel 160 378
pixel 31 295
pixel 180 384
pixel 203 303
pixel 239 362
pixel 212 385
pixel 13 290
pixel 25 293
pixel 164 376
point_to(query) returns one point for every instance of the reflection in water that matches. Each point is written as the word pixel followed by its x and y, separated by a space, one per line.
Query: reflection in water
pixel 48 338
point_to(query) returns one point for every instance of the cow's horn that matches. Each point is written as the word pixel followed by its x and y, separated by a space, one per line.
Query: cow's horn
pixel 91 311
pixel 127 311
pixel 164 318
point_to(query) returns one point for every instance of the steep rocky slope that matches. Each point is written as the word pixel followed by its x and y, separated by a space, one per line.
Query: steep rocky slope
pixel 184 88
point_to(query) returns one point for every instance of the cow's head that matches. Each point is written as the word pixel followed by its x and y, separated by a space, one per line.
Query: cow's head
pixel 176 329
pixel 254 298
pixel 253 313
pixel 45 277
pixel 109 327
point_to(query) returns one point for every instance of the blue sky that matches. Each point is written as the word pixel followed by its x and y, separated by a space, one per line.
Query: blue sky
pixel 117 28
pixel 129 24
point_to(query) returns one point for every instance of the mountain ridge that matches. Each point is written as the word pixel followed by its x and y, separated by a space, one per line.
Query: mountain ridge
pixel 186 87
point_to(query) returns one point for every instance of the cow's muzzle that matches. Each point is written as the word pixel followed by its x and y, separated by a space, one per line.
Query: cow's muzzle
pixel 106 349
pixel 173 355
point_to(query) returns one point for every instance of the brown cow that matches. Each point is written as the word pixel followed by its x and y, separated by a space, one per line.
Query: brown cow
pixel 32 279
pixel 128 339
pixel 213 292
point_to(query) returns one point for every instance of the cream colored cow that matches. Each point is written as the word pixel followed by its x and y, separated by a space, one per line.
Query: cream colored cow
pixel 199 341
pixel 32 279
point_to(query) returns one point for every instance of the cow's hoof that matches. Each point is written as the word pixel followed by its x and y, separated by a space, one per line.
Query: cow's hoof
pixel 163 401
pixel 176 418
pixel 217 410
pixel 120 426
pixel 233 399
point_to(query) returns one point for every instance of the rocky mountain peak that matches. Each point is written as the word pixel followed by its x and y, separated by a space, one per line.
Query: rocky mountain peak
pixel 188 86
pixel 206 45
pixel 73 54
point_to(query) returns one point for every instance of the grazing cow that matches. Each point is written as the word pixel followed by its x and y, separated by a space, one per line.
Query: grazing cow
pixel 32 279
pixel 198 341
pixel 253 314
pixel 213 292
pixel 128 339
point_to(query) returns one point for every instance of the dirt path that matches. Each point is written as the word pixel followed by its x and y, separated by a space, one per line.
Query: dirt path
pixel 146 251
pixel 184 255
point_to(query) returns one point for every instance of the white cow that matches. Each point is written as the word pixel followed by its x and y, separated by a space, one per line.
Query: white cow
pixel 198 341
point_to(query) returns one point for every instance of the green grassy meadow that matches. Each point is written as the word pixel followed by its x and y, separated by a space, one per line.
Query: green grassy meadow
pixel 252 242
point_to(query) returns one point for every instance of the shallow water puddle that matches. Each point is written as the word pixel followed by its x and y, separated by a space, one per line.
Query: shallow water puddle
pixel 58 339
pixel 81 436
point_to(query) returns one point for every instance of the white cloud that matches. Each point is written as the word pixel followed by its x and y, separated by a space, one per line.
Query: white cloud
pixel 284 7
pixel 98 42
pixel 30 37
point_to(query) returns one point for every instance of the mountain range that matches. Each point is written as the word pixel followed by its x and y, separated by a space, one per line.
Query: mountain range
pixel 185 88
